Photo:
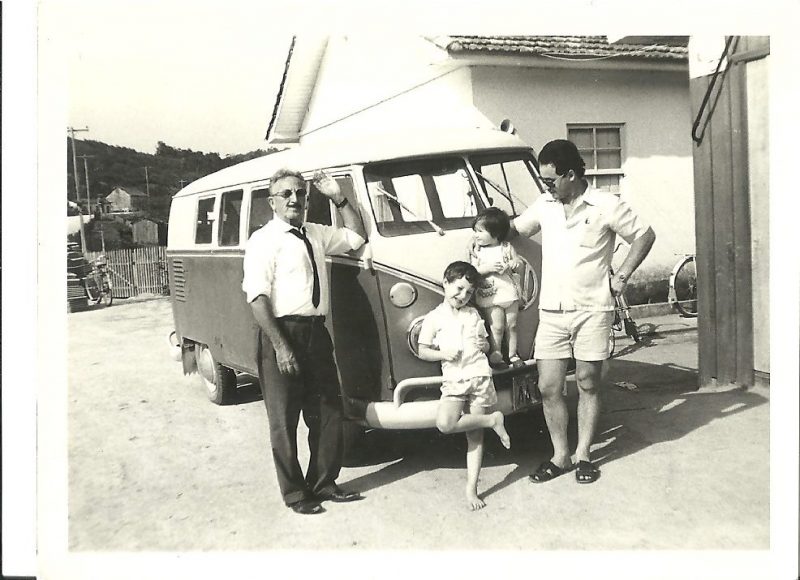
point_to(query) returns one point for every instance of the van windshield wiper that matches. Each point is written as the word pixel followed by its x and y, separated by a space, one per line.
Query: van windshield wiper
pixel 497 188
pixel 393 197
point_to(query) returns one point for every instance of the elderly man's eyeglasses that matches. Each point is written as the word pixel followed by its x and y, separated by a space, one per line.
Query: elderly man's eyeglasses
pixel 287 193
pixel 549 182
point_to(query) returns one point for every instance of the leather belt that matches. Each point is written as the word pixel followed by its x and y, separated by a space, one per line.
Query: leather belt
pixel 300 318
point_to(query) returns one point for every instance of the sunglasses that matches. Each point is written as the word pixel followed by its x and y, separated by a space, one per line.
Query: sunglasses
pixel 287 193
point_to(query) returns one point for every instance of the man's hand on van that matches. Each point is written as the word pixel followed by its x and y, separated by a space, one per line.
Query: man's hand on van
pixel 327 186
pixel 287 364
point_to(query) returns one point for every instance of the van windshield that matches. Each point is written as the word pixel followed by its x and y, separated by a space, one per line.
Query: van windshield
pixel 508 180
pixel 432 194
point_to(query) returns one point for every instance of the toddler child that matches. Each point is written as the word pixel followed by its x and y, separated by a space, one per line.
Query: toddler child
pixel 499 290
pixel 454 334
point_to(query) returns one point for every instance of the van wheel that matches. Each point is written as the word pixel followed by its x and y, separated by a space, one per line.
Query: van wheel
pixel 218 380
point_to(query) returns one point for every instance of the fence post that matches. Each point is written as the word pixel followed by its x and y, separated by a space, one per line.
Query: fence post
pixel 135 273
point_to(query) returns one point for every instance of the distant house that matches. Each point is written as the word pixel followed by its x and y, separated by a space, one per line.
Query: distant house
pixel 126 199
pixel 148 231
pixel 625 103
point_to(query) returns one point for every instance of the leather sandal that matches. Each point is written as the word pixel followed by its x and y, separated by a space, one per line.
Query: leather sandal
pixel 547 471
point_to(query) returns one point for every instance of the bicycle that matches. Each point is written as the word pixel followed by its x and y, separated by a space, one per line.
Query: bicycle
pixel 622 316
pixel 683 286
pixel 97 283
pixel 622 321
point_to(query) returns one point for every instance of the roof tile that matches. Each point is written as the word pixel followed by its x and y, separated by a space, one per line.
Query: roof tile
pixel 577 47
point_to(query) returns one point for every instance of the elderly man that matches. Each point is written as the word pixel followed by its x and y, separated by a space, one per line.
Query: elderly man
pixel 287 287
pixel 579 225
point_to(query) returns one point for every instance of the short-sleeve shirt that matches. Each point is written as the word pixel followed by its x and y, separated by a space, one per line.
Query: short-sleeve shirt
pixel 462 330
pixel 277 265
pixel 577 252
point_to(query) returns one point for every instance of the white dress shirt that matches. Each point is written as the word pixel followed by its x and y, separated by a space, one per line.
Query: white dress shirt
pixel 576 252
pixel 277 265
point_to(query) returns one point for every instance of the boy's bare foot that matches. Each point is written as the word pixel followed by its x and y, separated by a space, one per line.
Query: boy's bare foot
pixel 474 502
pixel 498 426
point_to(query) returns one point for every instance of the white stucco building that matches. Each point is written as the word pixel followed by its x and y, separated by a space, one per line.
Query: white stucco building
pixel 626 104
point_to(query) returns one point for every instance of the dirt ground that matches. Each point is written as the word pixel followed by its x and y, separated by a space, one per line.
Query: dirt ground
pixel 153 465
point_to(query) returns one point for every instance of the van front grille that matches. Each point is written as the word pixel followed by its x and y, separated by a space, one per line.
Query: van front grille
pixel 179 279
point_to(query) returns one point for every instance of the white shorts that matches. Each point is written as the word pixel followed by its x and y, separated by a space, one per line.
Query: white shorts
pixel 581 334
pixel 477 391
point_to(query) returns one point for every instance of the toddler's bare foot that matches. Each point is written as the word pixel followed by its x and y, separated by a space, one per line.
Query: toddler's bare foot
pixel 474 502
pixel 499 427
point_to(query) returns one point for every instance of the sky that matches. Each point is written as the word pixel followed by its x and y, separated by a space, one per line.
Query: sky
pixel 191 75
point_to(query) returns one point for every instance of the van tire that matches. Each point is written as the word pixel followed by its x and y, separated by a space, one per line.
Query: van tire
pixel 218 380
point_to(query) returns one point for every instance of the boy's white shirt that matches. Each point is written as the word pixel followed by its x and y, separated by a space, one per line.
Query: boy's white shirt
pixel 448 329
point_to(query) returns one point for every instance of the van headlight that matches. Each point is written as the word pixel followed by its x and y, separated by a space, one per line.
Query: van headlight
pixel 413 335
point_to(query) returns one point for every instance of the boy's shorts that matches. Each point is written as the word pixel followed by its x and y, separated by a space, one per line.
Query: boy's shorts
pixel 477 391
pixel 581 334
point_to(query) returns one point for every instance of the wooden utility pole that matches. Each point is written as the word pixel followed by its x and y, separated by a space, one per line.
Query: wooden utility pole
pixel 86 173
pixel 72 132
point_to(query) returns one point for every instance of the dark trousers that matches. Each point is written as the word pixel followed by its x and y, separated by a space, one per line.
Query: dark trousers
pixel 315 393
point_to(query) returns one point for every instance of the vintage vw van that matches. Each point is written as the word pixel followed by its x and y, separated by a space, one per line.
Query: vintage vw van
pixel 417 194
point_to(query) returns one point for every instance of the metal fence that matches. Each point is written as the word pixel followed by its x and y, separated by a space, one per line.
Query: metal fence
pixel 136 271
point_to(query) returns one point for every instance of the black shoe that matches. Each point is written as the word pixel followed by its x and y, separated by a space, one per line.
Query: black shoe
pixel 307 506
pixel 339 495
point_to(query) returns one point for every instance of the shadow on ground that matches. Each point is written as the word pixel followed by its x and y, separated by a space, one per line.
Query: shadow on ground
pixel 667 406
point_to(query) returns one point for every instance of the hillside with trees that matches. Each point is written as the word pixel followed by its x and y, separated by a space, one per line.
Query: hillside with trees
pixel 168 170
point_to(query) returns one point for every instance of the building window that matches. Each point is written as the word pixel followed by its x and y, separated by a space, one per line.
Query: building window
pixel 601 149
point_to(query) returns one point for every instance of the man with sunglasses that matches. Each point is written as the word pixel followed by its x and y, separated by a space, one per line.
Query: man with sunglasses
pixel 286 284
pixel 579 225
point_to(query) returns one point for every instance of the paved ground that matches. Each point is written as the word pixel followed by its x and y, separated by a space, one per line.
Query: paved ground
pixel 154 466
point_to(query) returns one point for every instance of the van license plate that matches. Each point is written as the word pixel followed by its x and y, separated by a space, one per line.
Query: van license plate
pixel 524 391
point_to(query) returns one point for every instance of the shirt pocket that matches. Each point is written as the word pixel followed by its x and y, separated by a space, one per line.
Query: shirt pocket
pixel 592 231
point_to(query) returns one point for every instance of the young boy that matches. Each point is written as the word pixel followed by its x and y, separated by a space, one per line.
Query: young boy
pixel 454 334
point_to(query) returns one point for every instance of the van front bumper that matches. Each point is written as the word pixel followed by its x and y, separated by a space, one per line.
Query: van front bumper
pixel 516 391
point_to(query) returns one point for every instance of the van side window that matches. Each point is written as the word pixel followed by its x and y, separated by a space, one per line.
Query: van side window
pixel 260 210
pixel 205 221
pixel 229 224
pixel 319 207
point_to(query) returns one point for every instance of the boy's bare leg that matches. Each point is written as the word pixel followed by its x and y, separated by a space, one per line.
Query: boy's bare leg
pixel 450 420
pixel 474 462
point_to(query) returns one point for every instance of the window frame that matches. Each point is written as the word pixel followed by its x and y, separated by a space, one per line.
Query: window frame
pixel 221 222
pixel 402 227
pixel 213 213
pixel 593 172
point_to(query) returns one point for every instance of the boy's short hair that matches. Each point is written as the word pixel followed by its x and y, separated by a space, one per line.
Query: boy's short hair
pixel 461 269
pixel 495 221
pixel 564 155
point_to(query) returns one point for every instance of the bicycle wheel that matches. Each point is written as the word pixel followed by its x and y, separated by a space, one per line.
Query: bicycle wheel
pixel 93 292
pixel 106 298
pixel 685 287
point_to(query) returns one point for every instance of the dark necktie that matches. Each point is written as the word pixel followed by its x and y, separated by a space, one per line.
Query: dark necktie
pixel 315 290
